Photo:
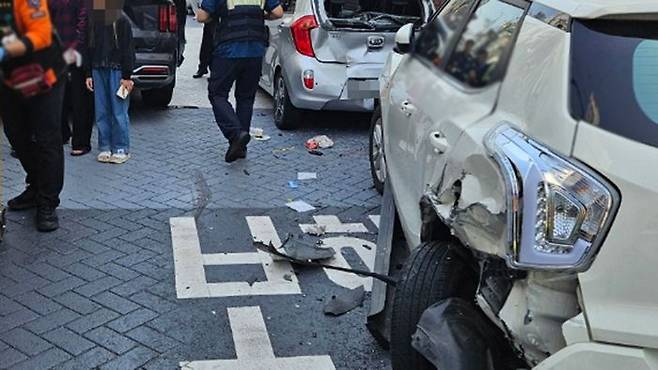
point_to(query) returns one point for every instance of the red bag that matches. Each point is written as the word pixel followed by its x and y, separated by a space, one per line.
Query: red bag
pixel 29 80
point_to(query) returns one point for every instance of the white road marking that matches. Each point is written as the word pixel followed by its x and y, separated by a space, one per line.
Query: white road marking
pixel 367 255
pixel 254 350
pixel 263 230
pixel 375 219
pixel 333 225
pixel 189 264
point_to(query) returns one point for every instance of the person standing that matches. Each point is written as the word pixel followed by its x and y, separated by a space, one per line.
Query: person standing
pixel 109 66
pixel 31 101
pixel 241 38
pixel 207 46
pixel 70 19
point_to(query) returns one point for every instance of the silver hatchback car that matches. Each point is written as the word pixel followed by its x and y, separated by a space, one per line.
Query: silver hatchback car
pixel 328 54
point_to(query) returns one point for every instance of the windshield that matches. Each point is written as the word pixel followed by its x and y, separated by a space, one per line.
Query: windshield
pixel 380 15
pixel 614 77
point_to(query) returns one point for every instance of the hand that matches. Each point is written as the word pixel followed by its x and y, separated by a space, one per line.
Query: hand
pixel 90 84
pixel 128 84
pixel 15 48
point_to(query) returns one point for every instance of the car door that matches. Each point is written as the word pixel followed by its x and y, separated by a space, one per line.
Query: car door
pixel 451 82
pixel 275 28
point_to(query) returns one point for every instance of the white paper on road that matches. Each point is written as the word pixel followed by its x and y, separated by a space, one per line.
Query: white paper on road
pixel 300 206
pixel 301 176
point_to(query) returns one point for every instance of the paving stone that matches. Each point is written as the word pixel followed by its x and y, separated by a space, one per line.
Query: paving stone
pixel 93 320
pixel 132 320
pixel 133 359
pixel 10 357
pixel 51 321
pixel 44 360
pixel 25 341
pixel 60 287
pixel 153 302
pixel 38 303
pixel 103 258
pixel 16 319
pixel 77 303
pixel 88 360
pixel 85 272
pixel 98 286
pixel 119 271
pixel 111 340
pixel 48 271
pixel 152 339
pixel 115 302
pixel 8 306
pixel 68 341
pixel 134 286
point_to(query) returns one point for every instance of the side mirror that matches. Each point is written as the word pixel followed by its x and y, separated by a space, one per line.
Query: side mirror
pixel 403 38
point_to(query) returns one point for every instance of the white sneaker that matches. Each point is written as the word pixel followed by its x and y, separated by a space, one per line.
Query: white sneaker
pixel 104 157
pixel 118 158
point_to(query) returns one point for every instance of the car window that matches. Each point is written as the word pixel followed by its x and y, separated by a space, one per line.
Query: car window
pixel 434 40
pixel 481 51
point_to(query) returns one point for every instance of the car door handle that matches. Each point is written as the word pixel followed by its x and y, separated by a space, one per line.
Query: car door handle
pixel 407 108
pixel 439 142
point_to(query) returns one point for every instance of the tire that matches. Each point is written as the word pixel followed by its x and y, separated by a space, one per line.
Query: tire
pixel 286 116
pixel 158 98
pixel 376 152
pixel 433 272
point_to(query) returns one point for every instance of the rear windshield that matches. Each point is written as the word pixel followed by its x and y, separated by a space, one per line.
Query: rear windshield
pixel 379 15
pixel 614 77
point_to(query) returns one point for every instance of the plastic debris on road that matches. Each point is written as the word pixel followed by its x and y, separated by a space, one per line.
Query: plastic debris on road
pixel 293 184
pixel 303 251
pixel 301 176
pixel 300 206
pixel 319 142
pixel 316 230
pixel 315 152
pixel 258 134
pixel 345 301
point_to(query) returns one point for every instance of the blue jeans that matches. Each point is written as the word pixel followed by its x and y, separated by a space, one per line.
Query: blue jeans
pixel 112 118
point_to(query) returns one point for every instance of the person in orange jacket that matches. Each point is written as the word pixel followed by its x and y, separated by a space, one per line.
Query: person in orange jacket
pixel 31 102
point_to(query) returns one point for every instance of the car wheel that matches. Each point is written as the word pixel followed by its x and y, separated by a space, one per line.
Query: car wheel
pixel 158 98
pixel 286 116
pixel 376 153
pixel 433 272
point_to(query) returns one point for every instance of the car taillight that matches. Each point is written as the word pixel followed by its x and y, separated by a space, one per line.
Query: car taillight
pixel 309 79
pixel 301 34
pixel 167 18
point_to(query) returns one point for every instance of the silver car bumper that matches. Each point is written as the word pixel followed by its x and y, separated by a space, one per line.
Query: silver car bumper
pixel 337 86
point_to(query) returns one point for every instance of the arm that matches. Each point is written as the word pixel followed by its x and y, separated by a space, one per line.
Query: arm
pixel 36 27
pixel 276 13
pixel 202 16
pixel 128 54
pixel 205 11
pixel 81 26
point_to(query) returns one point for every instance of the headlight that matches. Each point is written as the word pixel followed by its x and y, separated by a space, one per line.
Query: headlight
pixel 558 211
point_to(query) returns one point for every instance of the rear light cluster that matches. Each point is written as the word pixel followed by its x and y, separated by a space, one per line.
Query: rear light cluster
pixel 167 18
pixel 301 34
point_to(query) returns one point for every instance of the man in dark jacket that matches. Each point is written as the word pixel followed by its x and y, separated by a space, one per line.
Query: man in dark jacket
pixel 70 19
pixel 241 39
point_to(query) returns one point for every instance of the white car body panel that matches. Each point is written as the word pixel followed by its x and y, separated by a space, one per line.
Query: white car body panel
pixel 600 8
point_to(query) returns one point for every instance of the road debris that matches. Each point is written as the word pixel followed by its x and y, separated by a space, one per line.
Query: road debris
pixel 300 206
pixel 316 230
pixel 287 277
pixel 258 134
pixel 300 250
pixel 302 176
pixel 316 152
pixel 246 172
pixel 293 184
pixel 319 142
pixel 345 301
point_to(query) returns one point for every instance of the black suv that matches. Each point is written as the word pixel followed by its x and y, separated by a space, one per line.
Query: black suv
pixel 158 48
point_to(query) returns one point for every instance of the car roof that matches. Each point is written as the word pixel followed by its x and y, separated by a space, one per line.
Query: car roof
pixel 602 8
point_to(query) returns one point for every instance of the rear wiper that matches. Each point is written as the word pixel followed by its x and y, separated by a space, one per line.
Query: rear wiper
pixel 353 22
pixel 399 19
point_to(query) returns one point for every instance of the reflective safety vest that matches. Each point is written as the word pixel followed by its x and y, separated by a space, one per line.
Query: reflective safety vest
pixel 29 20
pixel 242 20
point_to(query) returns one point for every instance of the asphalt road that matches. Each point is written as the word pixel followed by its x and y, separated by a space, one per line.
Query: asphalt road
pixel 154 265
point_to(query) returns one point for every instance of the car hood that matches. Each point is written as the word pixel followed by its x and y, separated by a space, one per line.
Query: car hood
pixel 601 8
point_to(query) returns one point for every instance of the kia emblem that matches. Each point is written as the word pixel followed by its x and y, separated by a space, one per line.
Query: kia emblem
pixel 375 42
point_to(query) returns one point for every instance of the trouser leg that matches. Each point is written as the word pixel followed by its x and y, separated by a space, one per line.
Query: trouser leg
pixel 222 76
pixel 83 110
pixel 246 87
pixel 19 131
pixel 103 108
pixel 121 121
pixel 207 45
pixel 67 107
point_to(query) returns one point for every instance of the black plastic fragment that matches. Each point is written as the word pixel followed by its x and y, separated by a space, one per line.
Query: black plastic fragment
pixel 344 302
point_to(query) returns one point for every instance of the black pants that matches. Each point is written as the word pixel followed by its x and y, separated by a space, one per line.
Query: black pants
pixel 207 45
pixel 33 127
pixel 245 73
pixel 78 108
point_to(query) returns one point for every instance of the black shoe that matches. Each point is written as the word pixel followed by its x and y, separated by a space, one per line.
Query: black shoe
pixel 47 219
pixel 242 154
pixel 237 146
pixel 200 73
pixel 13 154
pixel 27 200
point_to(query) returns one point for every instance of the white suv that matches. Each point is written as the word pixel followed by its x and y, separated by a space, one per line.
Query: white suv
pixel 518 145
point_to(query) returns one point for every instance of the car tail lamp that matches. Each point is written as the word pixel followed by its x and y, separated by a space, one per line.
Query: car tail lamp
pixel 558 210
pixel 309 79
pixel 301 34
pixel 167 18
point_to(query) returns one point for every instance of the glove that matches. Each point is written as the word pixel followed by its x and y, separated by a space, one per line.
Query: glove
pixel 3 53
